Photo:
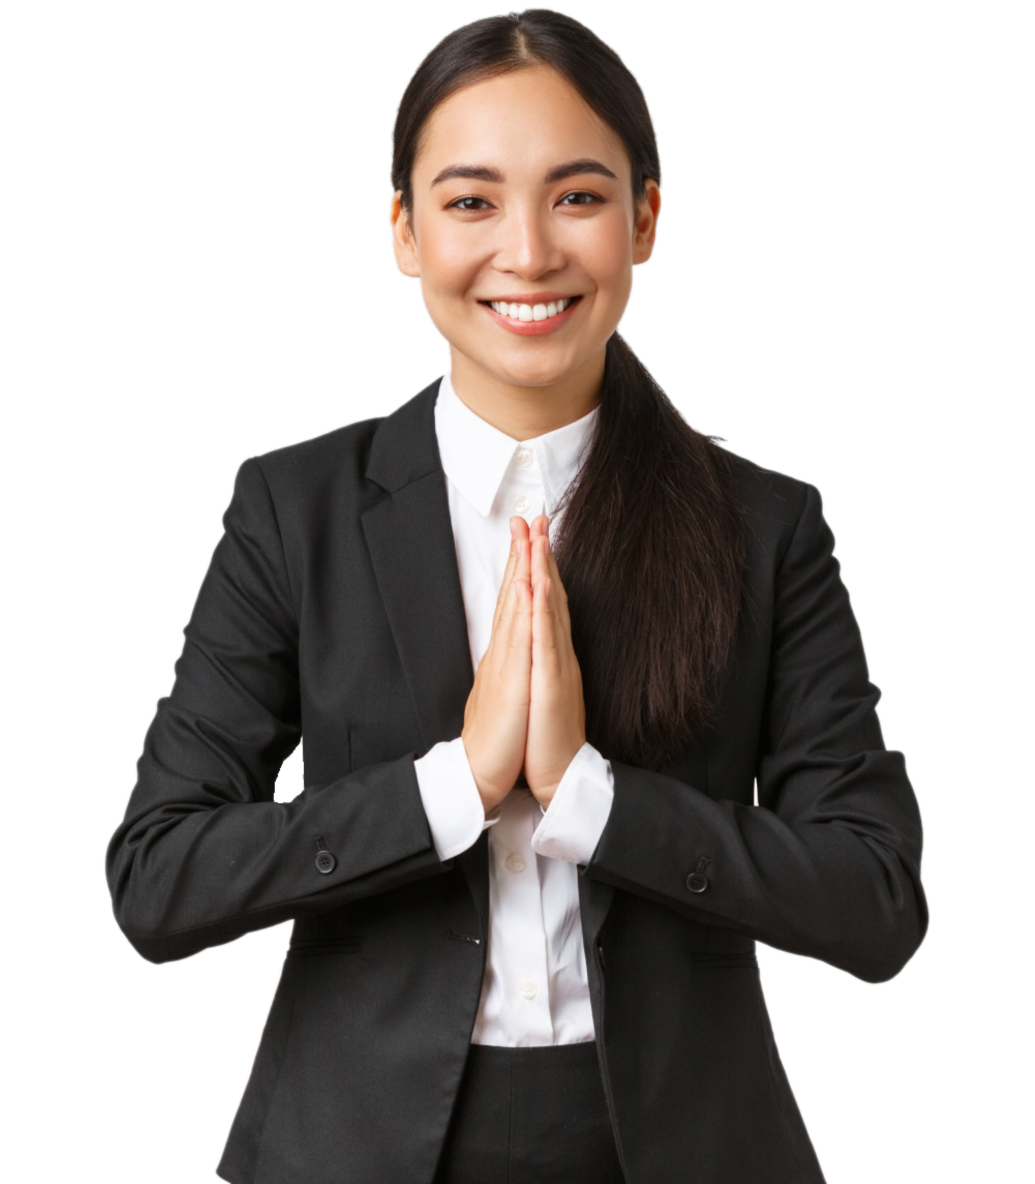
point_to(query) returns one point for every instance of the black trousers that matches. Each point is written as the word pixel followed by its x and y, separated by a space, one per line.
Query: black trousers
pixel 530 1115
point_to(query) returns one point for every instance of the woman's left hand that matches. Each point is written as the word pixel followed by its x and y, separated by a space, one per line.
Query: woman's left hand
pixel 557 711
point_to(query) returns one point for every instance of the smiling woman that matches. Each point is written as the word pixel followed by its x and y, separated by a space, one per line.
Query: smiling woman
pixel 515 178
pixel 543 642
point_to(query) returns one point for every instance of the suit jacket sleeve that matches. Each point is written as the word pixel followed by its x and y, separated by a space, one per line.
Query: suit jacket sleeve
pixel 828 863
pixel 204 853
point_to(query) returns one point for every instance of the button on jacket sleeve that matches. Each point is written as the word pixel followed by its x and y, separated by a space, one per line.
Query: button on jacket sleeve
pixel 828 863
pixel 204 853
pixel 334 604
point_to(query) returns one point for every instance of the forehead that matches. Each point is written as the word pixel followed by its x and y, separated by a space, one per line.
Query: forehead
pixel 529 118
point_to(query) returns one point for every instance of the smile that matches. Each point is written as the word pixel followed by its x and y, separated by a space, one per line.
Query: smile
pixel 530 312
pixel 532 320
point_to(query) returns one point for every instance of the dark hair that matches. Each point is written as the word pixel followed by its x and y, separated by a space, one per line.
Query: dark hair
pixel 500 44
pixel 651 545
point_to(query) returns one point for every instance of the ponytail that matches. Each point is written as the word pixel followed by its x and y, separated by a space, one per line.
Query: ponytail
pixel 651 553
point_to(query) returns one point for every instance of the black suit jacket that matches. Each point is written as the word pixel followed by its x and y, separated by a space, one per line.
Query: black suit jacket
pixel 332 612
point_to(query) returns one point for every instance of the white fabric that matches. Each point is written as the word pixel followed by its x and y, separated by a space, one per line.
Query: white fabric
pixel 536 989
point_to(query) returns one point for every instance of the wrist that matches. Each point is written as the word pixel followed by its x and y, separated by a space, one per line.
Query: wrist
pixel 545 795
pixel 545 777
pixel 493 783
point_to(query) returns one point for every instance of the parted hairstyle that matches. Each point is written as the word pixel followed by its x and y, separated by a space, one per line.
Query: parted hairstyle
pixel 651 545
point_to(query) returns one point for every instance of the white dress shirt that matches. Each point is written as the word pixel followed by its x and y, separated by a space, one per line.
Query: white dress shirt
pixel 536 989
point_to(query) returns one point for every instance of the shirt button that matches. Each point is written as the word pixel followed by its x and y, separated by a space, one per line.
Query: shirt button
pixel 521 504
pixel 527 989
pixel 515 863
pixel 523 457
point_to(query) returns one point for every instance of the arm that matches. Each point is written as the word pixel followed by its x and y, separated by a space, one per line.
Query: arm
pixel 204 853
pixel 828 863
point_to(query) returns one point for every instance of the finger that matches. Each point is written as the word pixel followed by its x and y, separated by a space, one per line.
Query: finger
pixel 548 559
pixel 513 604
pixel 517 653
pixel 558 594
pixel 523 600
pixel 508 573
pixel 546 654
pixel 523 555
pixel 518 529
pixel 539 566
pixel 565 672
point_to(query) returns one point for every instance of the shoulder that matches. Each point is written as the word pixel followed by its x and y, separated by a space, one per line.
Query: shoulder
pixel 349 457
pixel 775 505
pixel 337 455
pixel 765 493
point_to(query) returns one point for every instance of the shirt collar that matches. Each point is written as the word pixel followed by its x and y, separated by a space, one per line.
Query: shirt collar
pixel 475 455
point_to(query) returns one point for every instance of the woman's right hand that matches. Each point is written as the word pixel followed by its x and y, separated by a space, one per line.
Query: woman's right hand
pixel 496 715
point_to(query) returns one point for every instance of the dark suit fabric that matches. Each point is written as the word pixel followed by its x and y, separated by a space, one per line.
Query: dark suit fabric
pixel 332 612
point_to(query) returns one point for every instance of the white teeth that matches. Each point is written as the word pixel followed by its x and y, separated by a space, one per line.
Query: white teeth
pixel 530 312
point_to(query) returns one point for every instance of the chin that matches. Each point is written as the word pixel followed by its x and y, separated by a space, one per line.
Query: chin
pixel 530 370
pixel 533 376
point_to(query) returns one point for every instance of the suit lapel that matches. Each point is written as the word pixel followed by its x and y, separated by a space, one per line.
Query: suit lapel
pixel 410 539
pixel 409 535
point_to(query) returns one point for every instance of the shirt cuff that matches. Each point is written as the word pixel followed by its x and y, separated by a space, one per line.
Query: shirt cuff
pixel 451 799
pixel 571 828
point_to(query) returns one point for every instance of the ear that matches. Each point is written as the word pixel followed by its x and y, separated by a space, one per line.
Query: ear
pixel 646 225
pixel 403 240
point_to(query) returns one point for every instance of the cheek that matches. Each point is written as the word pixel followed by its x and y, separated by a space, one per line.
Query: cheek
pixel 447 262
pixel 613 276
pixel 606 253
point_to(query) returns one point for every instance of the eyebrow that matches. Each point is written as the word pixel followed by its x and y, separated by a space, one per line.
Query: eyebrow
pixel 478 172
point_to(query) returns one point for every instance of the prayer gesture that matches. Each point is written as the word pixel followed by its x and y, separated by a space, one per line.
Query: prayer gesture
pixel 526 710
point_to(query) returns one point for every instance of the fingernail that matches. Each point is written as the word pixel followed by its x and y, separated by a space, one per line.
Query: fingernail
pixel 547 537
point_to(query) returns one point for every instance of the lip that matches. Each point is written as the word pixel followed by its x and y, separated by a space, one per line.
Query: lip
pixel 534 328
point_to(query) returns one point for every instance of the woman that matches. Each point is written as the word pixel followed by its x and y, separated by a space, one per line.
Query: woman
pixel 540 639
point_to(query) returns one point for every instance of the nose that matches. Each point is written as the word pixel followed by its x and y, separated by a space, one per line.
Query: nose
pixel 530 246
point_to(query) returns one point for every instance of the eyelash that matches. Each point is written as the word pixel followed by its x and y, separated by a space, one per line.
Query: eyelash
pixel 574 193
pixel 582 193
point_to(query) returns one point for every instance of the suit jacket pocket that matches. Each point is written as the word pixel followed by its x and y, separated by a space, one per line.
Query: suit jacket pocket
pixel 310 946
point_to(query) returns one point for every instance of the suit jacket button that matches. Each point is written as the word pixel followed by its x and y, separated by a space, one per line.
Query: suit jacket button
pixel 697 881
pixel 325 862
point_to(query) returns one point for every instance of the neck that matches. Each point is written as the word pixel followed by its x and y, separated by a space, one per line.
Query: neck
pixel 524 412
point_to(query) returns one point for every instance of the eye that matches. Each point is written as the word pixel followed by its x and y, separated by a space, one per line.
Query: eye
pixel 580 193
pixel 458 204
